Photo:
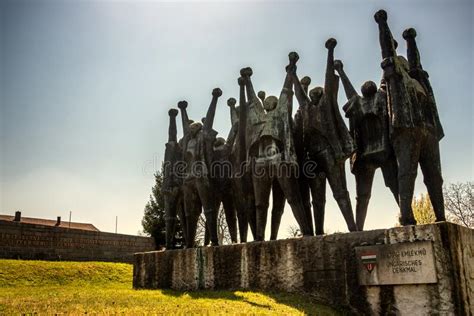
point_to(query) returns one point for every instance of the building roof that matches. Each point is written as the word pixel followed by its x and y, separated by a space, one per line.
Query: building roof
pixel 49 222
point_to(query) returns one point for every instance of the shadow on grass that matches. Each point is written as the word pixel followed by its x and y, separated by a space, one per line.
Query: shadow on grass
pixel 228 295
pixel 301 302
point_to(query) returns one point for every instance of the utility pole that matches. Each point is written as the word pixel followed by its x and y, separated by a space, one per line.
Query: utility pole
pixel 70 215
pixel 116 221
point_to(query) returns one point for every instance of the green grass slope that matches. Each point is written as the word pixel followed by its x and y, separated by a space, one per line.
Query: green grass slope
pixel 18 273
pixel 78 288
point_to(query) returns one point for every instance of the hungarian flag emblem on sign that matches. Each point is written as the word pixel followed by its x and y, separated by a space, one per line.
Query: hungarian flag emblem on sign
pixel 369 260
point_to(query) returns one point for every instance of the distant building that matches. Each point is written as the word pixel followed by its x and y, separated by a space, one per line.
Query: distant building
pixel 48 222
pixel 45 239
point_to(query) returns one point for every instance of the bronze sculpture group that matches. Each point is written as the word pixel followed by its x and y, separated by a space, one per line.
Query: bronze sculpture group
pixel 394 127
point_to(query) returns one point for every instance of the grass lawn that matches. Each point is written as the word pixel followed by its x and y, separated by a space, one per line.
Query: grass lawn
pixel 44 287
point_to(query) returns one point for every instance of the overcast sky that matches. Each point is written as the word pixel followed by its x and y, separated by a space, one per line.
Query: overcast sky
pixel 86 86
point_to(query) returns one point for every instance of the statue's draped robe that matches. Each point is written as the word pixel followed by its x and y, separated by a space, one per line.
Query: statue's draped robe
pixel 275 124
pixel 368 121
pixel 324 126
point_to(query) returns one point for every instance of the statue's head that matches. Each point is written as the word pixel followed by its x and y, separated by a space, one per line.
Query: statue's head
pixel 368 89
pixel 315 94
pixel 305 81
pixel 194 128
pixel 261 95
pixel 270 103
pixel 219 142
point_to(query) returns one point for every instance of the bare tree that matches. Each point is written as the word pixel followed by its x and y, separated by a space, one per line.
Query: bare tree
pixel 200 231
pixel 459 203
pixel 293 231
pixel 223 234
pixel 222 229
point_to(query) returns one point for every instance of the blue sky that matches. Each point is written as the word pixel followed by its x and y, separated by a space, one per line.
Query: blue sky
pixel 86 86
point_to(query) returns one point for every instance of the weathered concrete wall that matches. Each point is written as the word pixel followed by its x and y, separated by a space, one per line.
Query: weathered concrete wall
pixel 29 241
pixel 325 267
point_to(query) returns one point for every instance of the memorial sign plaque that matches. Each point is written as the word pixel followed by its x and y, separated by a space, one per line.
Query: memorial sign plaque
pixel 403 263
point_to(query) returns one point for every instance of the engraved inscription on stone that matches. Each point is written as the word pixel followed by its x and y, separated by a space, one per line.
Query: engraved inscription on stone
pixel 403 263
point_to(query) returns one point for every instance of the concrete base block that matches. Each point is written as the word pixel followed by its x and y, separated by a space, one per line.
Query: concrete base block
pixel 328 269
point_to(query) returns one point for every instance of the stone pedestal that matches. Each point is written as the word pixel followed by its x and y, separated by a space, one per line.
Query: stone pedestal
pixel 412 270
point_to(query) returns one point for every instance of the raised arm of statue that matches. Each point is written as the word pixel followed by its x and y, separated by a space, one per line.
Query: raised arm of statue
pixel 331 78
pixel 172 131
pixel 414 61
pixel 305 82
pixel 293 58
pixel 246 73
pixel 232 135
pixel 242 121
pixel 171 154
pixel 412 49
pixel 216 93
pixel 417 72
pixel 287 91
pixel 348 87
pixel 182 105
pixel 234 116
pixel 416 69
pixel 385 36
pixel 301 91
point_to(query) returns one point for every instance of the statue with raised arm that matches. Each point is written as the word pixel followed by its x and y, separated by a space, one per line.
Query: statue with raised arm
pixel 270 148
pixel 243 188
pixel 198 191
pixel 222 179
pixel 414 124
pixel 309 184
pixel 416 72
pixel 241 178
pixel 326 141
pixel 171 188
pixel 368 124
pixel 278 198
pixel 236 185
